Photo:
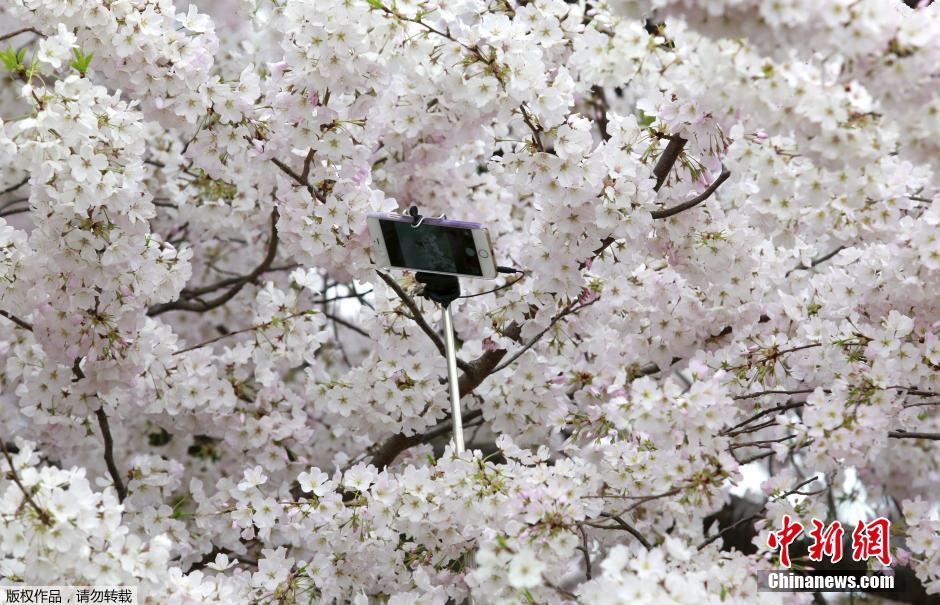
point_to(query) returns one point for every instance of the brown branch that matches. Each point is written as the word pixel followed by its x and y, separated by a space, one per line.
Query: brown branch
pixel 479 369
pixel 532 127
pixel 600 107
pixel 21 31
pixel 242 331
pixel 628 528
pixel 346 324
pixel 762 413
pixel 290 172
pixel 308 161
pixel 668 212
pixel 23 324
pixel 762 393
pixel 571 308
pixel 238 283
pixel 300 179
pixel 584 549
pixel 907 435
pixel 43 515
pixel 667 160
pixel 418 317
pixel 758 514
pixel 106 435
pixel 109 454
pixel 12 188
pixel 815 262
pixel 11 211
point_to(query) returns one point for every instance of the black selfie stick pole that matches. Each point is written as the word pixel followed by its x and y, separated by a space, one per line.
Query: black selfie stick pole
pixel 445 289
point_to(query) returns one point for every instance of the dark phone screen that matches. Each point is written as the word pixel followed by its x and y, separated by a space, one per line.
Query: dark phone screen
pixel 431 248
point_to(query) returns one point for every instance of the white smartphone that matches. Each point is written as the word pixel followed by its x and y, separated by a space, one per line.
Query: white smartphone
pixel 435 246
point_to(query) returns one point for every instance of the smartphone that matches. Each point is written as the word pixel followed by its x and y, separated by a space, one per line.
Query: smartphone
pixel 435 246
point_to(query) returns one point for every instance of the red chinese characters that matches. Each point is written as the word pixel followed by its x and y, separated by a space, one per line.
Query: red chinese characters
pixel 783 538
pixel 870 539
pixel 828 542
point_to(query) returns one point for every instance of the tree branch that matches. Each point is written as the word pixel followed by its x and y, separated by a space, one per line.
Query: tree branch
pixel 300 179
pixel 668 159
pixel 600 107
pixel 479 369
pixel 418 318
pixel 906 435
pixel 43 515
pixel 23 324
pixel 815 261
pixel 14 187
pixel 668 212
pixel 345 324
pixel 237 283
pixel 627 528
pixel 757 514
pixel 584 549
pixel 532 341
pixel 21 31
pixel 242 331
pixel 106 435
pixel 665 164
pixel 109 454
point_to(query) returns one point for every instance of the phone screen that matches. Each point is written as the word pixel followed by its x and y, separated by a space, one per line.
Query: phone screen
pixel 431 248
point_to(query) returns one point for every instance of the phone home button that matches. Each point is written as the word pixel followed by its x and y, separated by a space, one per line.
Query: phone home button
pixel 484 254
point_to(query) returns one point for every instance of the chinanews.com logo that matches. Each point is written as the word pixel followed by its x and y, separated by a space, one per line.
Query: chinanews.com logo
pixel 869 540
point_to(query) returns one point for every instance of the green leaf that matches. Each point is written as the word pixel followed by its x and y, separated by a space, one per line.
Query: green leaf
pixel 81 61
pixel 12 60
pixel 376 4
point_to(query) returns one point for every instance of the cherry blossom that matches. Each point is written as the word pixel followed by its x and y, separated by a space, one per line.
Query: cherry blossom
pixel 724 216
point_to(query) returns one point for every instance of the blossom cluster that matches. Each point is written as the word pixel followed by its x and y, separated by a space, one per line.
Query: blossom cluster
pixel 726 218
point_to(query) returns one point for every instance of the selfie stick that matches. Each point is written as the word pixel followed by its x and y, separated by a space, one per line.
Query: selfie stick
pixel 445 289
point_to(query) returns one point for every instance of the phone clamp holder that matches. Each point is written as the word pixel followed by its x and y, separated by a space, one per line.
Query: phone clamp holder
pixel 442 289
pixel 416 219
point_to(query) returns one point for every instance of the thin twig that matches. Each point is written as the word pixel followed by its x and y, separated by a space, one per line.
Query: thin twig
pixel 532 341
pixel 668 212
pixel 300 179
pixel 242 331
pixel 201 306
pixel 12 188
pixel 418 317
pixel 762 393
pixel 907 435
pixel 628 528
pixel 345 323
pixel 667 160
pixel 109 454
pixel 584 550
pixel 23 324
pixel 641 500
pixel 498 288
pixel 758 514
pixel 762 413
pixel 815 262
pixel 21 31
pixel 106 435
pixel 43 515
